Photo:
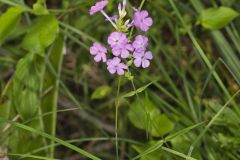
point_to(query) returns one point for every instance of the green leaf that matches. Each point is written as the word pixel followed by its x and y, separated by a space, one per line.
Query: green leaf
pixel 216 18
pixel 41 34
pixel 156 155
pixel 137 110
pixel 164 126
pixel 26 88
pixel 147 117
pixel 139 90
pixel 101 92
pixel 9 21
pixel 39 9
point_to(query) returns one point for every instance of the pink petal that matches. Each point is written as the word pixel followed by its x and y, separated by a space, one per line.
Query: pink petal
pixel 137 54
pixel 116 61
pixel 97 58
pixel 144 14
pixel 124 53
pixel 144 27
pixel 123 66
pixel 112 70
pixel 129 47
pixel 104 58
pixel 93 50
pixel 120 71
pixel 145 63
pixel 148 21
pixel 148 55
pixel 116 51
pixel 137 62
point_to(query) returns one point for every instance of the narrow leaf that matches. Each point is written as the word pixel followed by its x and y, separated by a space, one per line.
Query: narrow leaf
pixel 139 90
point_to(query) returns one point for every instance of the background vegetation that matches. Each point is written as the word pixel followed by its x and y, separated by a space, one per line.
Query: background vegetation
pixel 56 103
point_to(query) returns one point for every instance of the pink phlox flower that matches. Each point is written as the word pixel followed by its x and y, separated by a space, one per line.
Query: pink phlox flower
pixel 99 52
pixel 140 43
pixel 142 20
pixel 98 7
pixel 116 66
pixel 117 39
pixel 142 59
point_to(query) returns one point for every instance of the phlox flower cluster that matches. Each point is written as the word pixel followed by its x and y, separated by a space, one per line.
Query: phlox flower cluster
pixel 125 51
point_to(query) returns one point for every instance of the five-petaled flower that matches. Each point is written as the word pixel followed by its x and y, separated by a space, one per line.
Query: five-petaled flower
pixel 140 43
pixel 142 59
pixel 98 7
pixel 117 39
pixel 99 52
pixel 142 20
pixel 116 66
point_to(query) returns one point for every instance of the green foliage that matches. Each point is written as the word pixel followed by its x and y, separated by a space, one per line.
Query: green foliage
pixel 139 90
pixel 41 34
pixel 216 18
pixel 39 9
pixel 101 92
pixel 156 155
pixel 26 87
pixel 50 86
pixel 9 21
pixel 190 112
pixel 145 115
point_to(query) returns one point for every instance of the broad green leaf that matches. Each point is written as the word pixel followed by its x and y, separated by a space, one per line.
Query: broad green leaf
pixel 8 22
pixel 139 90
pixel 139 113
pixel 26 88
pixel 41 34
pixel 101 92
pixel 181 143
pixel 147 116
pixel 39 9
pixel 164 125
pixel 216 18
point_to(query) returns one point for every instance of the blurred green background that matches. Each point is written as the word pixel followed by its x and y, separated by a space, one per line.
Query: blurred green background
pixel 187 101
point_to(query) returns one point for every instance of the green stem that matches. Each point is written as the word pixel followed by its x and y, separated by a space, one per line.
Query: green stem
pixel 116 117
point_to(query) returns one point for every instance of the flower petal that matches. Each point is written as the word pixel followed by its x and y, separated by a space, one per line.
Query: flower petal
pixel 148 21
pixel 137 62
pixel 124 53
pixel 145 63
pixel 112 70
pixel 144 13
pixel 116 51
pixel 120 71
pixel 97 58
pixel 115 61
pixel 148 55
